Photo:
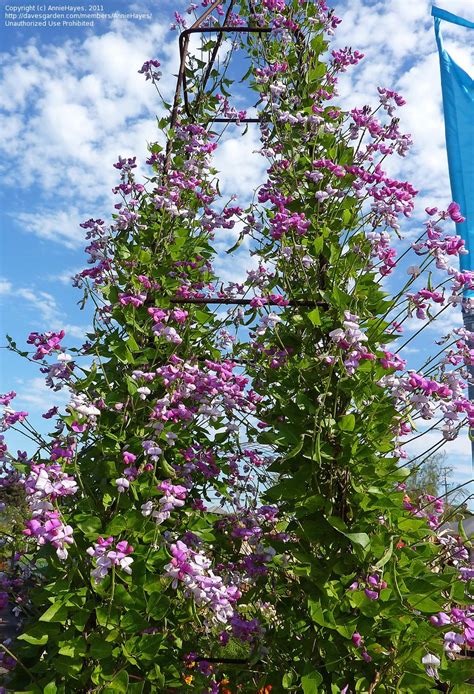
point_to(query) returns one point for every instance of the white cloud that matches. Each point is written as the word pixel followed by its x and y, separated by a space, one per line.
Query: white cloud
pixel 241 168
pixel 43 309
pixel 445 323
pixel 401 53
pixel 41 302
pixel 34 394
pixel 65 276
pixel 5 287
pixel 69 111
pixel 54 225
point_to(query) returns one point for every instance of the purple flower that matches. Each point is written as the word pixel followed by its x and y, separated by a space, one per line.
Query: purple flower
pixel 7 398
pixel 193 570
pixel 371 594
pixel 149 70
pixel 453 642
pixel 440 619
pixel 244 629
pixel 106 557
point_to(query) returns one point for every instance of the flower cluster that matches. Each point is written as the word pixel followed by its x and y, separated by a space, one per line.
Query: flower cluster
pixel 107 556
pixel 43 486
pixel 211 391
pixel 192 569
pixel 351 339
pixel 372 585
pixel 45 343
pixel 174 496
pixel 160 327
pixel 358 642
pixel 48 527
pixel 150 70
pixel 426 506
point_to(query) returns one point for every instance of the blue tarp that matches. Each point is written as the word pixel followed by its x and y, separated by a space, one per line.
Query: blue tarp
pixel 458 102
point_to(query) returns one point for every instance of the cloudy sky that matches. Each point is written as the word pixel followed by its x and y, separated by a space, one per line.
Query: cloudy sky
pixel 71 101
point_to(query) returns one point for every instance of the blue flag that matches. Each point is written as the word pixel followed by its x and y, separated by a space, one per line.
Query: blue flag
pixel 458 102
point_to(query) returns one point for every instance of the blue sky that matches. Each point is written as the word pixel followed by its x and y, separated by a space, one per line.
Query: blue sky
pixel 71 101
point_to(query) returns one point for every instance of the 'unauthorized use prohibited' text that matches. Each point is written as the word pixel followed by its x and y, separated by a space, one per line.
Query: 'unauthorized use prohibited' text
pixel 63 16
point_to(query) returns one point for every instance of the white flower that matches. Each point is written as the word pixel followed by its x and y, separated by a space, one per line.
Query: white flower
pixel 147 508
pixel 122 484
pixel 143 392
pixel 431 663
pixel 414 270
pixel 125 564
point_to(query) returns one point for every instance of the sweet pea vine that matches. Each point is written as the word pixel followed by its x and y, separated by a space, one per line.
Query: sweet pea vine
pixel 221 506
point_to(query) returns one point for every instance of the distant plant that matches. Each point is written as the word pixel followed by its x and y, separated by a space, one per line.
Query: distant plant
pixel 223 507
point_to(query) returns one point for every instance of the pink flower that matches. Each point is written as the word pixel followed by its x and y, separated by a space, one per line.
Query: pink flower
pixel 179 315
pixel 454 211
pixel 128 458
pixel 143 279
pixel 469 636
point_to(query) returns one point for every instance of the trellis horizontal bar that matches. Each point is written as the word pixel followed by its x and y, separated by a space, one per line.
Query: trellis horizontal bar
pixel 242 302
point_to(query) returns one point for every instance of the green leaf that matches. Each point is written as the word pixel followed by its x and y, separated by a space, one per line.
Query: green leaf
pixel 462 689
pixel 236 244
pixel 318 244
pixel 347 422
pixel 120 683
pixel 99 648
pixel 56 613
pixel 415 682
pixel 386 557
pixel 90 525
pixel 132 344
pixel 295 450
pixel 166 468
pixel 132 622
pixel 314 316
pixel 317 72
pixel 347 217
pixel 361 539
pixel 158 606
pixel 288 489
pixel 34 640
pixel 426 604
pixel 310 682
pixel 316 528
pixel 121 351
pixel 319 616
